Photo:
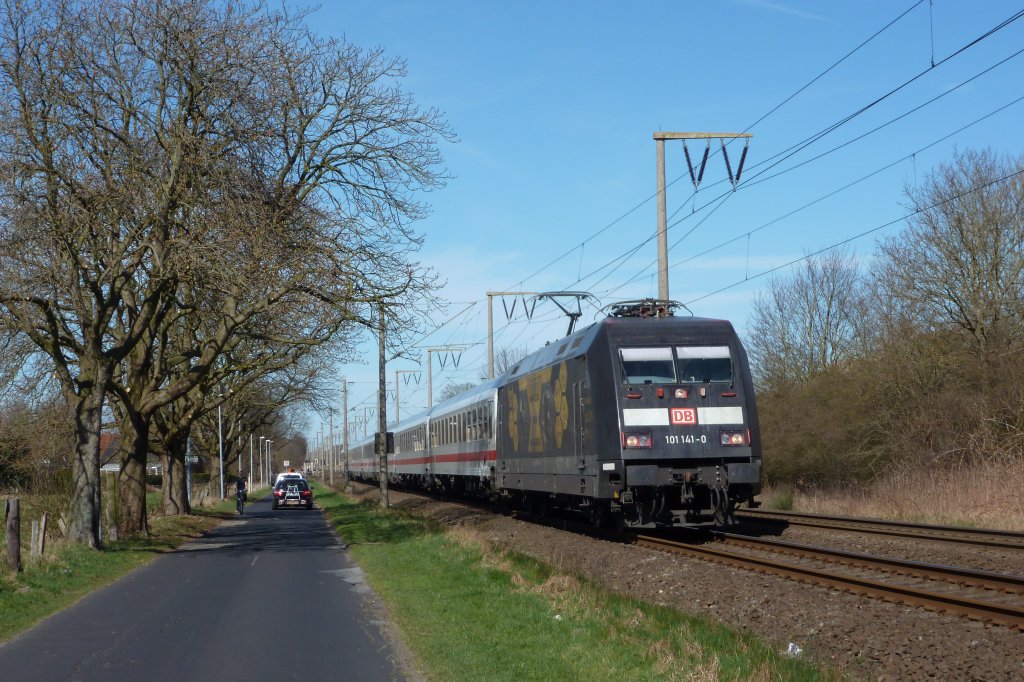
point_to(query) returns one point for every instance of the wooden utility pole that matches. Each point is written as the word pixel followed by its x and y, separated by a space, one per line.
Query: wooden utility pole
pixel 344 433
pixel 659 138
pixel 380 441
pixel 330 451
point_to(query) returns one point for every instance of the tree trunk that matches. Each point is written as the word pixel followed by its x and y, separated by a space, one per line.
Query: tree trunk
pixel 131 480
pixel 86 508
pixel 175 492
pixel 12 513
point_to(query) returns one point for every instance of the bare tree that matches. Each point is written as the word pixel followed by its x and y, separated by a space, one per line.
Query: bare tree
pixel 506 358
pixel 807 322
pixel 193 157
pixel 959 263
pixel 452 389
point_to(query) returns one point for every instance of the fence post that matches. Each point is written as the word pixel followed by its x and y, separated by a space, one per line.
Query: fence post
pixel 13 513
pixel 42 532
pixel 110 505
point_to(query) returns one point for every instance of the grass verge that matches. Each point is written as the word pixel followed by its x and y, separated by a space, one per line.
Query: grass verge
pixel 472 611
pixel 69 572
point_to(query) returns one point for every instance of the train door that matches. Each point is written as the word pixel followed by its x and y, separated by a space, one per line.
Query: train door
pixel 579 389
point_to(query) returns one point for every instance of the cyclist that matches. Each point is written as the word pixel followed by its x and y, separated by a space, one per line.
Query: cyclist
pixel 240 495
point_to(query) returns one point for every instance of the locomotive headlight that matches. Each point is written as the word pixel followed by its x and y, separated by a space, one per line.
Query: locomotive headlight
pixel 636 440
pixel 682 393
pixel 734 438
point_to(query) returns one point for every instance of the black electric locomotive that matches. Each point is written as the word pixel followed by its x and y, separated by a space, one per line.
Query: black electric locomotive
pixel 641 419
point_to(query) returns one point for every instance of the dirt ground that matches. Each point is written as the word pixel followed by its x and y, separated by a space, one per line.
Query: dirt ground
pixel 860 637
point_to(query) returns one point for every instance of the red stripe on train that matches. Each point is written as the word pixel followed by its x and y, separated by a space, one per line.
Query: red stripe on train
pixel 479 456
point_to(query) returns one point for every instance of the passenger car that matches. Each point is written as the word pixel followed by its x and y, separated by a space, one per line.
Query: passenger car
pixel 293 492
pixel 291 475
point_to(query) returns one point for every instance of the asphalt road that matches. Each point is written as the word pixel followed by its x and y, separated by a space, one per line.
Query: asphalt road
pixel 269 596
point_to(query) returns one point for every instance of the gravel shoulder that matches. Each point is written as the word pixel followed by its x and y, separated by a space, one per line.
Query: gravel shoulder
pixel 863 638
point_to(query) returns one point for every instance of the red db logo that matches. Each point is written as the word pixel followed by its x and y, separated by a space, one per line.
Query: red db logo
pixel 683 416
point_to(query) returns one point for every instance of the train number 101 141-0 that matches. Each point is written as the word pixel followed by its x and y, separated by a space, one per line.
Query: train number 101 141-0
pixel 677 439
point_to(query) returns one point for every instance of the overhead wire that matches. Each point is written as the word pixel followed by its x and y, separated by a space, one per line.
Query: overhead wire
pixel 872 230
pixel 806 142
pixel 725 195
pixel 620 260
pixel 797 147
pixel 759 120
pixel 637 206
pixel 754 181
pixel 873 173
pixel 786 153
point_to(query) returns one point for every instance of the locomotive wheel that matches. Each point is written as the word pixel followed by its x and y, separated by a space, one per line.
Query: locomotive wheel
pixel 535 503
pixel 618 521
pixel 599 514
pixel 722 507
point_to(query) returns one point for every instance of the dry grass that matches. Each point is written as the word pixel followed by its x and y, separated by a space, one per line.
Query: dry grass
pixel 982 495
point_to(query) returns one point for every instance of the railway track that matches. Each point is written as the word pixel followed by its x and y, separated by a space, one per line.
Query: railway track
pixel 1003 539
pixel 981 595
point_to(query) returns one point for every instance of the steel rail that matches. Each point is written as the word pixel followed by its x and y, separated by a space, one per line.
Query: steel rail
pixel 1004 614
pixel 968 536
pixel 989 580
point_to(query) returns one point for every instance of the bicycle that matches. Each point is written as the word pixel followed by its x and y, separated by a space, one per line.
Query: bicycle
pixel 240 501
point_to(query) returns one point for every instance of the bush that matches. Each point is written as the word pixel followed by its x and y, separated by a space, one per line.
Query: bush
pixel 781 498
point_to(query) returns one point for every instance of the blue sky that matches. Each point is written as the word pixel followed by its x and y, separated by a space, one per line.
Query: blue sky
pixel 555 104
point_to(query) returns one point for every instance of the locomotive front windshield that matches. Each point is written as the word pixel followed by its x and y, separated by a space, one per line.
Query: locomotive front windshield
pixel 704 364
pixel 647 366
pixel 689 364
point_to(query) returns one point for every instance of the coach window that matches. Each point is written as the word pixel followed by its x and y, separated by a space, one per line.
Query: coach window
pixel 647 366
pixel 704 364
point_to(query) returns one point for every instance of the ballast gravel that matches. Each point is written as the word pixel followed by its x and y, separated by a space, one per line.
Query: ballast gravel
pixel 859 637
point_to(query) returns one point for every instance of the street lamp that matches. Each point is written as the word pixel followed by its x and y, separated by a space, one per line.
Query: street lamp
pixel 250 461
pixel 220 440
pixel 262 479
pixel 220 448
pixel 270 459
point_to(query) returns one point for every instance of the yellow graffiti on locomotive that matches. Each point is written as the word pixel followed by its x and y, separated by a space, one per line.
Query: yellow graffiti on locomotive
pixel 526 401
